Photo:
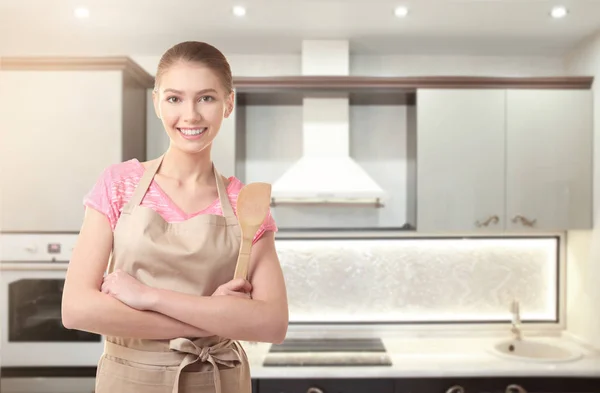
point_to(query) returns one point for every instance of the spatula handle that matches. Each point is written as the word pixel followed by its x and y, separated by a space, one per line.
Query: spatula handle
pixel 241 268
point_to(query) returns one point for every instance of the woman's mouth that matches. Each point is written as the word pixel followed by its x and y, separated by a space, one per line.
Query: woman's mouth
pixel 192 133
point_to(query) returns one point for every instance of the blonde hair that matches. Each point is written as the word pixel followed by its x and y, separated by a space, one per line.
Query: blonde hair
pixel 196 52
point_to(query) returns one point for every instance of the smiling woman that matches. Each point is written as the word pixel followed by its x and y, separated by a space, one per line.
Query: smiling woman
pixel 167 234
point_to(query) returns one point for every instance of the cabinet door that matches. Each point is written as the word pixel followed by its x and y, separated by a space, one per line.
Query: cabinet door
pixel 333 385
pixel 549 159
pixel 460 160
pixel 60 129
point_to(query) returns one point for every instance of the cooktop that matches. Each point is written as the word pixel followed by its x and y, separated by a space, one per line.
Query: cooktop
pixel 328 352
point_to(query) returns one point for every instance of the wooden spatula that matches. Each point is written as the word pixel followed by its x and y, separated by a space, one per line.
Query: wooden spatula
pixel 253 205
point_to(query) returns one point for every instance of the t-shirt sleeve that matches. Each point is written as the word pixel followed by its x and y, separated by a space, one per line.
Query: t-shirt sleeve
pixel 101 197
pixel 267 225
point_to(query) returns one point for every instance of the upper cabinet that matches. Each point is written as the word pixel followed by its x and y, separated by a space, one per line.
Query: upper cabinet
pixel 514 160
pixel 549 159
pixel 65 121
pixel 455 154
pixel 460 160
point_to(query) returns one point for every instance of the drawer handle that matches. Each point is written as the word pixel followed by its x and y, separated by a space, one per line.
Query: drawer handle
pixel 515 389
pixel 490 220
pixel 456 389
pixel 524 220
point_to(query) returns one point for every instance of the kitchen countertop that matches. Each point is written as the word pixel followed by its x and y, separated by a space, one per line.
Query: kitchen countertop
pixel 423 357
pixel 437 357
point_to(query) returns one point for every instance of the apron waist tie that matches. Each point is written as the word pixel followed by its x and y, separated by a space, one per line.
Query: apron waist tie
pixel 183 353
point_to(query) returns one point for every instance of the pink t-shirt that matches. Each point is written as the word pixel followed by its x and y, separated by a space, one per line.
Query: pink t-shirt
pixel 117 183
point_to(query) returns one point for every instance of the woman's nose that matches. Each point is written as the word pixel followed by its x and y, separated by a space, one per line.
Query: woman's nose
pixel 192 114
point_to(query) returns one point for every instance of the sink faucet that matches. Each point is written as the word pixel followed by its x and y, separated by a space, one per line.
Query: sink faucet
pixel 516 321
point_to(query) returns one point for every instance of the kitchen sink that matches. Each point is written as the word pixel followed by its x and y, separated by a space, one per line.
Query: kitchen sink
pixel 532 350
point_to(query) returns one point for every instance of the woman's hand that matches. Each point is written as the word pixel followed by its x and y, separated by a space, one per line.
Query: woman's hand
pixel 128 290
pixel 236 287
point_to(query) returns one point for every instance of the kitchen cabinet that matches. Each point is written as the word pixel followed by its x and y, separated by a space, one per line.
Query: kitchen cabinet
pixel 333 385
pixel 15 379
pixel 431 385
pixel 492 160
pixel 549 150
pixel 498 385
pixel 460 159
pixel 65 120
pixel 466 146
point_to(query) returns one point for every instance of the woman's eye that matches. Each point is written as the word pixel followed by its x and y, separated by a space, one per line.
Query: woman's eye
pixel 206 98
pixel 172 99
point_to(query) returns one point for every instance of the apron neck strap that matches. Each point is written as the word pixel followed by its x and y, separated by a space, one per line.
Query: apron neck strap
pixel 151 171
pixel 223 197
pixel 143 185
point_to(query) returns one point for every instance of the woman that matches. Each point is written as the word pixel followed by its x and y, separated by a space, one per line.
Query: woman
pixel 169 307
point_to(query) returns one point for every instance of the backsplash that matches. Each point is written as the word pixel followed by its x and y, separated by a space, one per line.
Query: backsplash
pixel 420 280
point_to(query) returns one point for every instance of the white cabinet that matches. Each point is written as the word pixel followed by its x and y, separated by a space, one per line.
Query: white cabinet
pixel 549 139
pixel 497 159
pixel 63 121
pixel 460 159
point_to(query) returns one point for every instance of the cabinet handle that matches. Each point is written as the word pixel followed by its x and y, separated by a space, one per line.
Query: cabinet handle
pixel 515 389
pixel 456 389
pixel 524 220
pixel 492 219
pixel 314 390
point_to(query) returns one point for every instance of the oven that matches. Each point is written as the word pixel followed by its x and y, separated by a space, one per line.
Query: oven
pixel 32 275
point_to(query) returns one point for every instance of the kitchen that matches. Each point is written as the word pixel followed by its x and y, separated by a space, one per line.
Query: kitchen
pixel 471 220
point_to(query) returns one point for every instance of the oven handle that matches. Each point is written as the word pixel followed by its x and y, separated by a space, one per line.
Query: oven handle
pixel 34 266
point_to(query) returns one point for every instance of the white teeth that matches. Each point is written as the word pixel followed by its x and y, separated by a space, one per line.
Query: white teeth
pixel 190 131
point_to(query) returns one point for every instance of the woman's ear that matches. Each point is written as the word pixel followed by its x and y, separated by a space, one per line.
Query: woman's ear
pixel 155 101
pixel 229 104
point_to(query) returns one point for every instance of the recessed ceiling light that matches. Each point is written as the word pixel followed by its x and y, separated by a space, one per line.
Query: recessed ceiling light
pixel 401 11
pixel 559 12
pixel 238 10
pixel 81 12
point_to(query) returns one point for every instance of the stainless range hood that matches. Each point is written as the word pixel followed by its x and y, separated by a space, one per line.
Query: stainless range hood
pixel 326 174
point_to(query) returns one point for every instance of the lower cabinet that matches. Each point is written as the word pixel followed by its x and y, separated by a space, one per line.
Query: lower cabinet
pixel 498 385
pixel 430 385
pixel 333 385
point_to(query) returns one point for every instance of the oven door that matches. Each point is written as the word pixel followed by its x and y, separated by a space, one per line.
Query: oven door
pixel 31 331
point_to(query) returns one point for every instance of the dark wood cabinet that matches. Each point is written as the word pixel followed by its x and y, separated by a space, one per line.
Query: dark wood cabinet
pixel 498 385
pixel 431 385
pixel 333 385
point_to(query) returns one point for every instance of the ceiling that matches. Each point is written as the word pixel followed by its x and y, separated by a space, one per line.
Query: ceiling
pixel 148 27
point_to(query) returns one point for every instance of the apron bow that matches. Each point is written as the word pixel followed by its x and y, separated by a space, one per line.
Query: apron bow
pixel 225 352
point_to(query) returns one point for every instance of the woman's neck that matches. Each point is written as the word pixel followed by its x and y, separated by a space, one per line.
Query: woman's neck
pixel 187 168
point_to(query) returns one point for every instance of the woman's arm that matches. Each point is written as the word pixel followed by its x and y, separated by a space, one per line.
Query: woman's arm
pixel 85 307
pixel 263 318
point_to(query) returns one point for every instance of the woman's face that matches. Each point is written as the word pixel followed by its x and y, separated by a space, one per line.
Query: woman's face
pixel 191 102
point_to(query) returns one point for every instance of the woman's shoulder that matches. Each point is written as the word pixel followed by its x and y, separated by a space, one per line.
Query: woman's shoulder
pixel 233 185
pixel 123 170
pixel 114 183
pixel 129 168
pixel 112 188
pixel 233 190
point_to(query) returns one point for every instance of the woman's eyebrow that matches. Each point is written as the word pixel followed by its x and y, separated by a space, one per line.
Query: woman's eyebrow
pixel 181 93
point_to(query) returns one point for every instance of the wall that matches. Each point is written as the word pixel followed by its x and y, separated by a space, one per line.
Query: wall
pixel 583 267
pixel 457 65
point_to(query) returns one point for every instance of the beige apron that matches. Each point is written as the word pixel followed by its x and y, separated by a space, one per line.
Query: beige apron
pixel 196 257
